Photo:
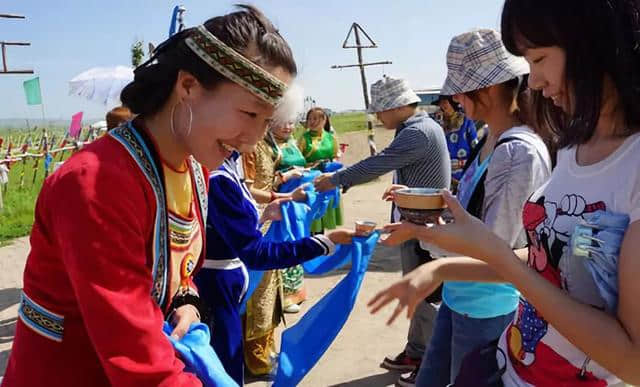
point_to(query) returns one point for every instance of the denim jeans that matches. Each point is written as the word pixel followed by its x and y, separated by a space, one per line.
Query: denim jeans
pixel 421 326
pixel 454 336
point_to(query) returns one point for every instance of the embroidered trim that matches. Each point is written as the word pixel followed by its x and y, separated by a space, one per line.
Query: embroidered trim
pixel 181 231
pixel 40 319
pixel 201 187
pixel 136 147
pixel 235 66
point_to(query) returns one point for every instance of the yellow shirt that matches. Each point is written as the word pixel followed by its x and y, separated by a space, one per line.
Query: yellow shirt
pixel 184 228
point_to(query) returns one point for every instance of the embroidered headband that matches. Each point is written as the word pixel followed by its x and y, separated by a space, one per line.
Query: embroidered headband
pixel 235 66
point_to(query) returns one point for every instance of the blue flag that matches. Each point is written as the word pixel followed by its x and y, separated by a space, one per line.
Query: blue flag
pixel 174 20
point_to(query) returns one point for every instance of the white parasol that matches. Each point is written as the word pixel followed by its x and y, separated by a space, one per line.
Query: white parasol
pixel 101 84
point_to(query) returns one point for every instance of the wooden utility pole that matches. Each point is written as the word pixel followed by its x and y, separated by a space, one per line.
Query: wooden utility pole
pixel 3 47
pixel 356 30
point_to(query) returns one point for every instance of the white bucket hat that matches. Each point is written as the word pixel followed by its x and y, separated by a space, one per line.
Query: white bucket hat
pixel 390 93
pixel 478 59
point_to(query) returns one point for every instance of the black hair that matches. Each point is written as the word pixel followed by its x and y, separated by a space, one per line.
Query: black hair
pixel 601 38
pixel 512 92
pixel 449 98
pixel 245 29
pixel 327 122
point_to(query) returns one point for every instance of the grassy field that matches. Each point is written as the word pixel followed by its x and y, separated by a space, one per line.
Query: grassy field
pixel 342 123
pixel 16 217
pixel 349 122
pixel 19 202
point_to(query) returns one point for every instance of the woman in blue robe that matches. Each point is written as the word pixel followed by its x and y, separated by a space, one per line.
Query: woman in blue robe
pixel 235 243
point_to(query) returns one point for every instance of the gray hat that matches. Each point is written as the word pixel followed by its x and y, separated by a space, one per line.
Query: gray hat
pixel 478 59
pixel 390 93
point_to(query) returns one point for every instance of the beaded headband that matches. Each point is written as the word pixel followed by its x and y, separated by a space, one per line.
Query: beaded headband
pixel 235 66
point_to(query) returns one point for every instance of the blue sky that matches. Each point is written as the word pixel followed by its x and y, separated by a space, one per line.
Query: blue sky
pixel 71 36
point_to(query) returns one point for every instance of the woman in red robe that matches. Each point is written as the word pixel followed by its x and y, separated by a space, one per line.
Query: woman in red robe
pixel 118 229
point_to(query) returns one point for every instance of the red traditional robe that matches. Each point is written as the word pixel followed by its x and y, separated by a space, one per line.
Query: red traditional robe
pixel 93 281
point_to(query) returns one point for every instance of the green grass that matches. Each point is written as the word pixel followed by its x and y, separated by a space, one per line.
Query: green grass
pixel 342 123
pixel 349 122
pixel 16 218
pixel 16 134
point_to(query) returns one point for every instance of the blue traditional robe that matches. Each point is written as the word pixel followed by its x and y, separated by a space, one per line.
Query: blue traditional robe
pixel 235 243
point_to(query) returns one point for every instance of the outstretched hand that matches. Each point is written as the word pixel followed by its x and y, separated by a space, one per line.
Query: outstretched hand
pixel 323 182
pixel 412 289
pixel 341 237
pixel 389 193
pixel 398 233
pixel 272 211
pixel 466 235
pixel 299 194
pixel 295 173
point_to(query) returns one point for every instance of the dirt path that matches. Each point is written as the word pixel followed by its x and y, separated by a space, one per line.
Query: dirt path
pixel 354 357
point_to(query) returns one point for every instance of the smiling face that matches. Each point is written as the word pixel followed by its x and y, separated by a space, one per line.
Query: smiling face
pixel 548 74
pixel 284 131
pixel 581 63
pixel 224 119
pixel 316 120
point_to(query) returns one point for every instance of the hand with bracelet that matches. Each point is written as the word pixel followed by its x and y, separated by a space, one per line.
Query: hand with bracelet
pixel 182 318
pixel 186 309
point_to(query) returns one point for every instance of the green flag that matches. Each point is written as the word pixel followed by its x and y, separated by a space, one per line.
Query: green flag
pixel 32 91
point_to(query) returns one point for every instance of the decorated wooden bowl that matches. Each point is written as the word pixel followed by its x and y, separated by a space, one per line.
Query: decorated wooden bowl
pixel 420 205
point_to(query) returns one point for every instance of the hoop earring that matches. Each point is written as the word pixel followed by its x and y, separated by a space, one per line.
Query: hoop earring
pixel 172 123
pixel 190 119
pixel 172 127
